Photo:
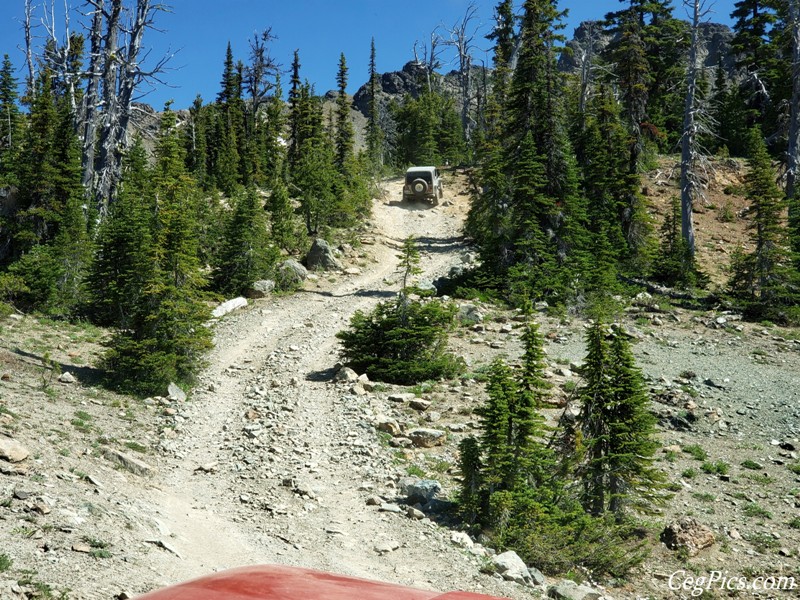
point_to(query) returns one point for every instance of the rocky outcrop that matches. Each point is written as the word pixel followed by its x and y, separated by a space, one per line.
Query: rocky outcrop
pixel 322 257
pixel 715 44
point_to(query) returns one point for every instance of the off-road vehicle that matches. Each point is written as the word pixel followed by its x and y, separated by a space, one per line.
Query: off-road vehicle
pixel 423 183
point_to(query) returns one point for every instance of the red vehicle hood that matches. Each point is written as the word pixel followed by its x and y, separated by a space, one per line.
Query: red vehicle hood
pixel 277 582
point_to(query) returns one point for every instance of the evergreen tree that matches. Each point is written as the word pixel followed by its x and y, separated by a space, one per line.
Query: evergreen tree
pixel 125 257
pixel 296 109
pixel 345 134
pixel 618 431
pixel 196 139
pixel 375 135
pixel 674 264
pixel 10 121
pixel 166 335
pixel 765 277
pixel 247 253
pixel 41 203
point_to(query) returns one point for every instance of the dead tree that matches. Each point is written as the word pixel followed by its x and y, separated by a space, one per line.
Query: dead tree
pixel 260 74
pixel 91 98
pixel 28 29
pixel 462 36
pixel 122 73
pixel 691 154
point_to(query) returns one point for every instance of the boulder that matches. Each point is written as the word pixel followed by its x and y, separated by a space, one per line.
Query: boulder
pixel 569 590
pixel 291 274
pixel 512 567
pixel 12 450
pixel 469 314
pixel 66 377
pixel 175 393
pixel 419 491
pixel 261 288
pixel 322 257
pixel 423 437
pixel 388 425
pixel 459 538
pixel 229 306
pixel 128 462
pixel 689 534
pixel 345 375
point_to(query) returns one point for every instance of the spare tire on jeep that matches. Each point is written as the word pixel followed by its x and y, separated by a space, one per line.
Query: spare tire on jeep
pixel 420 186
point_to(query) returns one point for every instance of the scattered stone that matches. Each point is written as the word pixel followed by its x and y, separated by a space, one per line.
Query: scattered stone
pixel 67 377
pixel 128 462
pixel 291 274
pixel 420 404
pixel 386 547
pixel 374 501
pixel 537 576
pixel 569 590
pixel 512 567
pixel 12 450
pixel 229 306
pixel 352 271
pixel 175 393
pixel 469 314
pixel 459 538
pixel 400 398
pixel 422 437
pixel 210 467
pixel 413 513
pixel 261 288
pixel 688 533
pixel 390 508
pixel 419 491
pixel 388 425
pixel 345 375
pixel 321 256
pixel 82 548
pixel 165 546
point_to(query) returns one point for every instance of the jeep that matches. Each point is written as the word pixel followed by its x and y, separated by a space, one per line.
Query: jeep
pixel 423 183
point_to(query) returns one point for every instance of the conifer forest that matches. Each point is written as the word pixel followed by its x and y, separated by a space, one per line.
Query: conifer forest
pixel 578 171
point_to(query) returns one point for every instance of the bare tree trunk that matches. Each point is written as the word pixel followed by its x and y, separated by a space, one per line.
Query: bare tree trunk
pixel 90 116
pixel 587 73
pixel 31 83
pixel 131 73
pixel 793 149
pixel 110 121
pixel 689 137
pixel 461 38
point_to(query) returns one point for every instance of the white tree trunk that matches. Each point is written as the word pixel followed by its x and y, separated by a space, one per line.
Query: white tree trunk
pixel 689 137
pixel 91 99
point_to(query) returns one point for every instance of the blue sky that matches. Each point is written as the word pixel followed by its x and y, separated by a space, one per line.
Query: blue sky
pixel 199 31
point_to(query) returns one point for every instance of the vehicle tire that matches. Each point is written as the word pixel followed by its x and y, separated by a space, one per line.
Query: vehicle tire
pixel 419 186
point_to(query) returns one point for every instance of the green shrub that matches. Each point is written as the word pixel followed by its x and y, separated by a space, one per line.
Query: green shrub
pixel 5 562
pixel 715 468
pixel 695 451
pixel 402 342
pixel 753 465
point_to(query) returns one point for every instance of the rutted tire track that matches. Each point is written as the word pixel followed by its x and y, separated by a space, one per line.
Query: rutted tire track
pixel 292 488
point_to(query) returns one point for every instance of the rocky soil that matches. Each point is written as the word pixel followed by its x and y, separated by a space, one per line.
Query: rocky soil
pixel 275 458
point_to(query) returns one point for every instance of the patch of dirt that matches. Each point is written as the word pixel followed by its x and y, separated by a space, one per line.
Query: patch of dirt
pixel 269 461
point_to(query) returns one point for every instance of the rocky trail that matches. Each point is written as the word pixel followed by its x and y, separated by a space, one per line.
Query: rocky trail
pixel 272 460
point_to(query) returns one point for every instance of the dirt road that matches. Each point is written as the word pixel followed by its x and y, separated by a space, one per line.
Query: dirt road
pixel 296 456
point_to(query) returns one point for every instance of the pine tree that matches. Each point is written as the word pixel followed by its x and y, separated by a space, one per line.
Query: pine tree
pixel 40 201
pixel 345 134
pixel 495 424
pixel 375 135
pixel 196 140
pixel 618 431
pixel 765 277
pixel 125 258
pixel 166 336
pixel 10 118
pixel 247 253
pixel 471 494
pixel 295 112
